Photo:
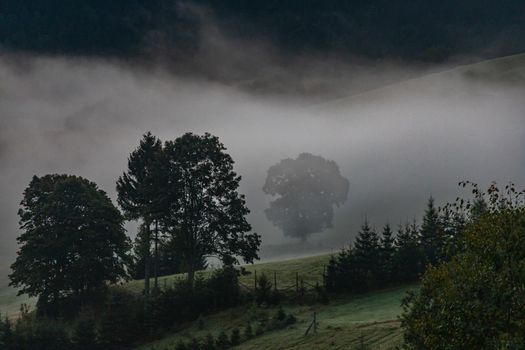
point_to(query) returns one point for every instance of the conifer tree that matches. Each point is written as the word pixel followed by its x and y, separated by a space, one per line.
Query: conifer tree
pixel 367 254
pixel 408 257
pixel 431 235
pixel 141 193
pixel 388 251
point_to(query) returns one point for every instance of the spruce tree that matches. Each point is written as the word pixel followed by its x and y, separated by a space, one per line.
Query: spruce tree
pixel 430 234
pixel 331 275
pixel 367 255
pixel 407 258
pixel 141 193
pixel 388 250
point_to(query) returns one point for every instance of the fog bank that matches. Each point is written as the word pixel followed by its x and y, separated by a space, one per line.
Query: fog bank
pixel 397 145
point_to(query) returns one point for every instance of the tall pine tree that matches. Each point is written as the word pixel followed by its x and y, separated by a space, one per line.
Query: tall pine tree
pixel 408 257
pixel 140 193
pixel 388 251
pixel 431 234
pixel 367 255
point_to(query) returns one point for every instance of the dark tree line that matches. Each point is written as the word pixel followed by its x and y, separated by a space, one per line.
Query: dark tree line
pixel 377 260
pixel 73 243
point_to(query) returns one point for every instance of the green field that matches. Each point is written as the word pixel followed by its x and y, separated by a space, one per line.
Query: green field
pixel 309 269
pixel 343 324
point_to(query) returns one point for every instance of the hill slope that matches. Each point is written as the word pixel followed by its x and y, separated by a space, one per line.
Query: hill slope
pixel 343 323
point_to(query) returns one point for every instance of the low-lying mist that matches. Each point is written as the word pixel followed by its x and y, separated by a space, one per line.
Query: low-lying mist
pixel 397 145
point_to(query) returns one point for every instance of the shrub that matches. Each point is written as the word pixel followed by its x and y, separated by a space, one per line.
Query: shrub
pixel 275 297
pixel 200 323
pixel 222 341
pixel 235 338
pixel 224 284
pixel 290 319
pixel 31 334
pixel 259 330
pixel 84 335
pixel 121 322
pixel 248 331
pixel 194 344
pixel 181 346
pixel 263 291
pixel 209 343
pixel 280 315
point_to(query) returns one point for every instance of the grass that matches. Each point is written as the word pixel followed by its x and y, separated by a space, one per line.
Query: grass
pixel 343 324
pixel 309 269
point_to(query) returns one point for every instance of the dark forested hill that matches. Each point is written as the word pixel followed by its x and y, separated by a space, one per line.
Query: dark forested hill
pixel 425 30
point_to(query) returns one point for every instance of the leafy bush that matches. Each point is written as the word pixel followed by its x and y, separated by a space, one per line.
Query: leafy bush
pixel 222 341
pixel 477 300
pixel 209 343
pixel 84 335
pixel 235 338
pixel 263 291
pixel 248 331
pixel 121 321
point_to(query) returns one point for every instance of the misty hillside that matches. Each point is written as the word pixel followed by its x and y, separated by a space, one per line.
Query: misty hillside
pixel 508 72
pixel 409 30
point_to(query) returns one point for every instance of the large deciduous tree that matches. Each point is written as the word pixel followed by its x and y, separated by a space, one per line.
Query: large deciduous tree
pixel 307 188
pixel 207 215
pixel 477 299
pixel 141 194
pixel 73 241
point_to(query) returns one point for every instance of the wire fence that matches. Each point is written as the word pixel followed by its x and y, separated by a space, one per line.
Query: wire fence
pixel 300 285
pixel 283 281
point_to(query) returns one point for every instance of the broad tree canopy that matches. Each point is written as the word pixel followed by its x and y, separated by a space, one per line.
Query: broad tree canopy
pixel 307 188
pixel 207 214
pixel 73 239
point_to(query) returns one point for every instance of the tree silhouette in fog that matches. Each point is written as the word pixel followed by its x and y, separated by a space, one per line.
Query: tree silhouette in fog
pixel 307 188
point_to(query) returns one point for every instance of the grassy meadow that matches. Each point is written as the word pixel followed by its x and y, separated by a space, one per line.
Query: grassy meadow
pixel 342 324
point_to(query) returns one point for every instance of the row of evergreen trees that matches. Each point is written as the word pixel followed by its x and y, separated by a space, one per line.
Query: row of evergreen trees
pixel 378 260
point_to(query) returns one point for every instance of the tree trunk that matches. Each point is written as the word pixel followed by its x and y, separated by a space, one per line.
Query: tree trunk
pixel 156 262
pixel 147 263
